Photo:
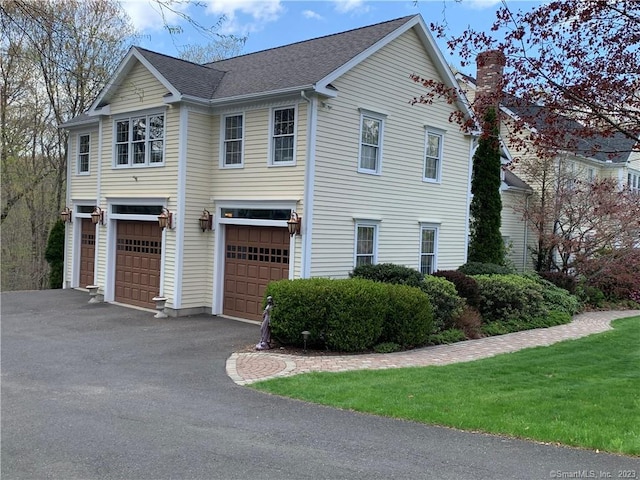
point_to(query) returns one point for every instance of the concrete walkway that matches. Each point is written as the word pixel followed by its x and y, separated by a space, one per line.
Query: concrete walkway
pixel 248 367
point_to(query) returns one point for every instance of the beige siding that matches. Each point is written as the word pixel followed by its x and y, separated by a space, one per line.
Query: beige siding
pixel 513 227
pixel 139 90
pixel 84 186
pixel 198 250
pixel 398 197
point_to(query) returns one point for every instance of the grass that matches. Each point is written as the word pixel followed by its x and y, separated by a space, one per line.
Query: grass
pixel 582 393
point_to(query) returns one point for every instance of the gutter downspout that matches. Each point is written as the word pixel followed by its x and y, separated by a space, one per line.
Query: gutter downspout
pixel 309 182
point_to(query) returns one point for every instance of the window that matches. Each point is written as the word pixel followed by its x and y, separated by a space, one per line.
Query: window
pixel 371 129
pixel 84 142
pixel 366 244
pixel 428 244
pixel 591 175
pixel 432 156
pixel 232 136
pixel 283 136
pixel 139 141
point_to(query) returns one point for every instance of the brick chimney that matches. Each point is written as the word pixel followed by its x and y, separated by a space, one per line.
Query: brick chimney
pixel 489 79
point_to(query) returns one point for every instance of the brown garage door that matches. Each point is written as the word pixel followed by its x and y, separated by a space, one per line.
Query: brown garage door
pixel 139 246
pixel 87 252
pixel 254 256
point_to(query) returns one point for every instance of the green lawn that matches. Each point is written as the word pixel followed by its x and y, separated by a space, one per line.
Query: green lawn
pixel 584 392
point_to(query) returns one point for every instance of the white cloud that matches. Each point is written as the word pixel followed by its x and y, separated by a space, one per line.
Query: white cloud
pixel 147 15
pixel 482 4
pixel 311 14
pixel 261 11
pixel 350 6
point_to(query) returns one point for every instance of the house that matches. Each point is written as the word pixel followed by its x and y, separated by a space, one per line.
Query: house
pixel 319 136
pixel 583 159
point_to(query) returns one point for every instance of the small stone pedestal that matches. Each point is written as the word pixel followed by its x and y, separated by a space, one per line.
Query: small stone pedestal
pixel 93 293
pixel 160 301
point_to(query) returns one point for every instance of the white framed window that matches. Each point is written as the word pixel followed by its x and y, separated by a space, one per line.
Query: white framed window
pixel 432 155
pixel 366 247
pixel 84 150
pixel 428 248
pixel 371 136
pixel 283 136
pixel 232 136
pixel 139 140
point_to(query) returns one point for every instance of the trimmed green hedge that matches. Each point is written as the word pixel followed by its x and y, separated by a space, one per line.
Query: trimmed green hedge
pixel 388 273
pixel 446 302
pixel 349 315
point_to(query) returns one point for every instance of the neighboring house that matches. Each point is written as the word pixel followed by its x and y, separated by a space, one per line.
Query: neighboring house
pixel 597 157
pixel 323 128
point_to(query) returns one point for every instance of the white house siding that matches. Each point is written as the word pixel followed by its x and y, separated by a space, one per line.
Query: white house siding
pixel 513 227
pixel 141 91
pixel 198 246
pixel 398 197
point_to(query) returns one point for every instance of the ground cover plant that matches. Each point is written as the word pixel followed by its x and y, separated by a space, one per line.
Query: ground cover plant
pixel 581 392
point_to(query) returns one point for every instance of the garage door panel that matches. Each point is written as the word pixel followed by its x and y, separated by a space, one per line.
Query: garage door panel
pixel 250 251
pixel 138 262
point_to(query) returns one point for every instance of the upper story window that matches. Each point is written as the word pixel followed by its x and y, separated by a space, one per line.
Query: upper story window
pixel 432 156
pixel 283 131
pixel 366 243
pixel 232 139
pixel 428 248
pixel 371 133
pixel 84 147
pixel 139 141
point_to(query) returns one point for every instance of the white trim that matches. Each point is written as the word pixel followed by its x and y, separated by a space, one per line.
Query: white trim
pixel 270 150
pixel 361 222
pixel 181 203
pixel 77 242
pixel 223 130
pixel 78 172
pixel 309 190
pixel 98 201
pixel 380 118
pixel 68 254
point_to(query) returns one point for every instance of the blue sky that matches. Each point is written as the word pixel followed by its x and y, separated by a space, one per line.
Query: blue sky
pixel 273 23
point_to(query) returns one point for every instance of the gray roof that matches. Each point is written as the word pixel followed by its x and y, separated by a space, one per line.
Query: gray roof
pixel 299 64
pixel 513 181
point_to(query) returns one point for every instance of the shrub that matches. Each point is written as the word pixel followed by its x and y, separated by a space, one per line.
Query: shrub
pixel 551 319
pixel 387 347
pixel 54 254
pixel 510 297
pixel 614 273
pixel 555 298
pixel 466 286
pixel 452 335
pixel 388 273
pixel 562 280
pixel 409 317
pixel 477 268
pixel 470 322
pixel 444 299
pixel 349 315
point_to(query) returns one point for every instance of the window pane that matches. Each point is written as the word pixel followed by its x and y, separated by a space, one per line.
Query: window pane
pixel 138 152
pixel 122 131
pixel 233 153
pixel 283 121
pixel 122 154
pixel 369 160
pixel 156 151
pixel 84 144
pixel 139 129
pixel 428 241
pixel 283 149
pixel 433 146
pixel 233 127
pixel 156 126
pixel 365 241
pixel 370 131
pixel 431 168
pixel 426 264
pixel 364 261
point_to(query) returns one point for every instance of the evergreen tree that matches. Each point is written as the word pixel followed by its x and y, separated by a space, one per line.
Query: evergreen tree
pixel 486 245
pixel 55 254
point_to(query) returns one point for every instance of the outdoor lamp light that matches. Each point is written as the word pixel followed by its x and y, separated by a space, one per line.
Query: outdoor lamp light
pixel 206 220
pixel 164 219
pixel 293 224
pixel 65 215
pixel 97 216
pixel 305 337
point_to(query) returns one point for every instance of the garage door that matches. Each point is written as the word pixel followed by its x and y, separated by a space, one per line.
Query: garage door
pixel 254 256
pixel 87 252
pixel 138 252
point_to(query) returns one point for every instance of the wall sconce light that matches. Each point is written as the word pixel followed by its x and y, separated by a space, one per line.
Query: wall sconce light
pixel 97 216
pixel 165 219
pixel 65 215
pixel 293 224
pixel 206 220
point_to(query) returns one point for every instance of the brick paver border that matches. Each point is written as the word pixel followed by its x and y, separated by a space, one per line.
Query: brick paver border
pixel 248 367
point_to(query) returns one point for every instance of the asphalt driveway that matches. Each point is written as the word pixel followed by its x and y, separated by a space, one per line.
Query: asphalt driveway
pixel 107 392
